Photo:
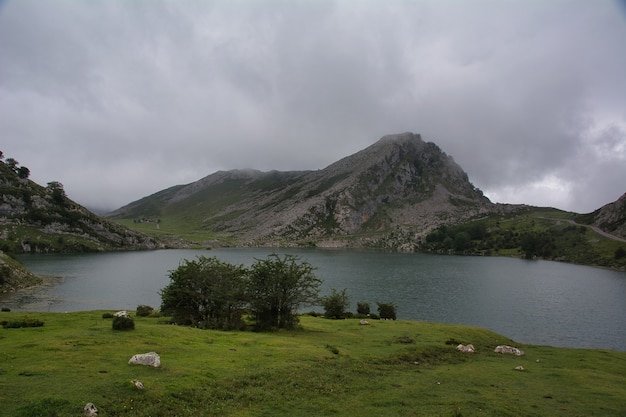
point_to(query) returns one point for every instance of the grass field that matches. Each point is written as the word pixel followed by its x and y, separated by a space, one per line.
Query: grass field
pixel 325 368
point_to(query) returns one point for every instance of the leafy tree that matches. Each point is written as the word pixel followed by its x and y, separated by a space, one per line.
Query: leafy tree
pixel 362 308
pixel 387 311
pixel 56 190
pixel 620 253
pixel 462 241
pixel 336 304
pixel 207 293
pixel 23 172
pixel 278 287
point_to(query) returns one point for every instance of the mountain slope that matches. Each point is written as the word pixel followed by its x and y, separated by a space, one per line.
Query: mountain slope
pixel 42 219
pixel 610 218
pixel 388 194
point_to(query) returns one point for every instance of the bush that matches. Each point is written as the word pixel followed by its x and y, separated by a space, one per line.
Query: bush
pixel 144 311
pixel 6 309
pixel 387 311
pixel 123 323
pixel 362 308
pixel 107 315
pixel 336 304
pixel 25 322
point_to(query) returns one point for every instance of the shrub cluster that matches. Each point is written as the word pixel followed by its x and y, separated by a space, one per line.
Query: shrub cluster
pixel 209 293
pixel 25 322
pixel 123 323
pixel 144 310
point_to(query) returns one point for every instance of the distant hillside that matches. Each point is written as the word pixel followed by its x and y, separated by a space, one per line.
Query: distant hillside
pixel 387 195
pixel 42 219
pixel 610 218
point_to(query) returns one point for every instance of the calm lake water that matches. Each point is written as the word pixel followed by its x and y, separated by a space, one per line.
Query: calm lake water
pixel 535 302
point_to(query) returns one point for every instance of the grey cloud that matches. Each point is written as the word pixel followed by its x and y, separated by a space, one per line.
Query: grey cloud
pixel 119 99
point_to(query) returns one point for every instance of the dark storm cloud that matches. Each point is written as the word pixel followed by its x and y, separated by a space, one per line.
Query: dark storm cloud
pixel 121 99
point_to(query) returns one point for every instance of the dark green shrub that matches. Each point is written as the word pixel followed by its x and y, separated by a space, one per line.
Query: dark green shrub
pixel 362 308
pixel 335 304
pixel 6 309
pixel 123 323
pixel 144 311
pixel 25 322
pixel 387 311
pixel 107 315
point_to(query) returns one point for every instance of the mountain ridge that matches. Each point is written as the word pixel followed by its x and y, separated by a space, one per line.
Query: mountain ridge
pixel 400 184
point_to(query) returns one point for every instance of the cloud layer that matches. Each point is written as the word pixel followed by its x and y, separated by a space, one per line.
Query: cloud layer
pixel 120 99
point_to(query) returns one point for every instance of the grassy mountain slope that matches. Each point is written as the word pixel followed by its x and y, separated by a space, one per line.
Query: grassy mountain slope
pixel 400 185
pixel 42 219
pixel 328 367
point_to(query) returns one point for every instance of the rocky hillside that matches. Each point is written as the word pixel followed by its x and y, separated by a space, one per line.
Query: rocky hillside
pixel 610 218
pixel 13 275
pixel 387 195
pixel 43 219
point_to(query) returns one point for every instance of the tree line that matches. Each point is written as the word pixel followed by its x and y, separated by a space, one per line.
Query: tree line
pixel 213 294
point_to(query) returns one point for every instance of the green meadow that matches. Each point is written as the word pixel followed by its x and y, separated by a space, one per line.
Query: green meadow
pixel 323 368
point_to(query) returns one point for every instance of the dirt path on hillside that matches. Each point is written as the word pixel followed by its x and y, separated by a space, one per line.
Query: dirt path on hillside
pixel 595 229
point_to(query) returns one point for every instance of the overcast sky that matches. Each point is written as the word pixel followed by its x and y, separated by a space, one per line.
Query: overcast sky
pixel 119 99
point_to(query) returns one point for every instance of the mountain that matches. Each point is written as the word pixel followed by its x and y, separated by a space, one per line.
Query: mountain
pixel 43 219
pixel 386 195
pixel 610 218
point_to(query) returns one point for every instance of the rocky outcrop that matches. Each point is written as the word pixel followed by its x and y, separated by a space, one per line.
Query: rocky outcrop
pixel 43 219
pixel 610 218
pixel 13 275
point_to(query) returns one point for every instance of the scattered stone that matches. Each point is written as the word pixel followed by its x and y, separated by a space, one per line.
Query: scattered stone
pixel 466 349
pixel 137 383
pixel 519 368
pixel 508 349
pixel 147 359
pixel 90 410
pixel 122 313
pixel 364 322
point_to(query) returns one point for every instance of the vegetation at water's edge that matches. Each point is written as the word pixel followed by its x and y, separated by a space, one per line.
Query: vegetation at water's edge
pixel 326 367
pixel 541 233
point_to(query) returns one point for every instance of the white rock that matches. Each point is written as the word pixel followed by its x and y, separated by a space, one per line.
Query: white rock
pixel 519 368
pixel 147 359
pixel 364 322
pixel 508 349
pixel 466 349
pixel 122 313
pixel 90 410
pixel 138 384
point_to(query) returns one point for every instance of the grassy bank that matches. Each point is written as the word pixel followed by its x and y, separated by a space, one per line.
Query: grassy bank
pixel 387 368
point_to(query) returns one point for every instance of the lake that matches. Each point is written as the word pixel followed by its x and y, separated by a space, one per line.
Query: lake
pixel 536 302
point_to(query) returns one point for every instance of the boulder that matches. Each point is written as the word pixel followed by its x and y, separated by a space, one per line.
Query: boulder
pixel 508 349
pixel 90 410
pixel 466 349
pixel 147 359
pixel 122 313
pixel 364 322
pixel 519 368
